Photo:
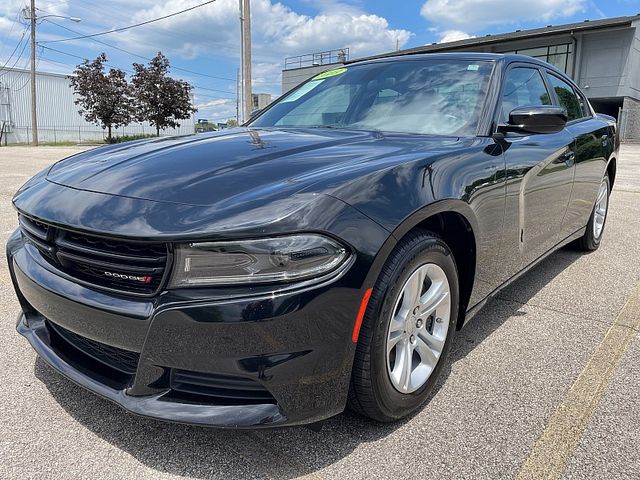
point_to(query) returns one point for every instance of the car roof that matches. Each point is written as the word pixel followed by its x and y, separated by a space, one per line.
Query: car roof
pixel 492 57
pixel 470 56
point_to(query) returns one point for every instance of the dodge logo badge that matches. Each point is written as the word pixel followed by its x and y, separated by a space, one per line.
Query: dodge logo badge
pixel 135 278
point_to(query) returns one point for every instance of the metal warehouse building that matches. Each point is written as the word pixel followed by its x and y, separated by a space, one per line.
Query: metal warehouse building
pixel 58 117
pixel 602 56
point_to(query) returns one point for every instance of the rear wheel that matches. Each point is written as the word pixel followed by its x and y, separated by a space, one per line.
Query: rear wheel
pixel 595 228
pixel 407 329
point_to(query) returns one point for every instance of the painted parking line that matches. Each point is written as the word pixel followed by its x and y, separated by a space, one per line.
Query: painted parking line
pixel 549 455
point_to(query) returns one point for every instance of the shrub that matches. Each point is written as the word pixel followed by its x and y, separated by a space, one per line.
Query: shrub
pixel 128 138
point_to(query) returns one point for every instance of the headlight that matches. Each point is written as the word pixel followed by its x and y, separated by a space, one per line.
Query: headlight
pixel 280 259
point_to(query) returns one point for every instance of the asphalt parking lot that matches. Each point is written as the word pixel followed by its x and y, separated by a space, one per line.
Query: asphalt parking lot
pixel 545 381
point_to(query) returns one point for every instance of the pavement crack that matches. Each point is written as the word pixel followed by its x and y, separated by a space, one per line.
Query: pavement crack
pixel 549 309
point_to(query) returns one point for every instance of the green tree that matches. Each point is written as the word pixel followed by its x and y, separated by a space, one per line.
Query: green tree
pixel 160 99
pixel 231 123
pixel 105 99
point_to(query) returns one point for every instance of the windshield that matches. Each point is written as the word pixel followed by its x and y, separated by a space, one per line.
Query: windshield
pixel 437 97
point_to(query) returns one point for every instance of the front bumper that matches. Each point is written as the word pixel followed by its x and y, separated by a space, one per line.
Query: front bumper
pixel 295 346
pixel 38 335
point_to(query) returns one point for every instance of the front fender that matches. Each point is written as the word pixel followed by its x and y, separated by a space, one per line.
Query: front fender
pixel 469 182
pixel 441 206
pixel 414 220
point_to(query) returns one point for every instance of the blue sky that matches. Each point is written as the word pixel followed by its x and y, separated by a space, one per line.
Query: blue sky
pixel 204 43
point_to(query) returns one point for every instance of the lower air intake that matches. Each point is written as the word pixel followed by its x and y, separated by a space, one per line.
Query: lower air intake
pixel 217 389
pixel 123 361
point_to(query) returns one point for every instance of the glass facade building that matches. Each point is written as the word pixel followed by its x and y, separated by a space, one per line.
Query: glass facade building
pixel 558 55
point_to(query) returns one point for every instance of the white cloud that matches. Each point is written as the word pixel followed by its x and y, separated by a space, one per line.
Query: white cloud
pixel 52 67
pixel 213 103
pixel 277 30
pixel 364 34
pixel 454 35
pixel 474 15
pixel 8 26
pixel 210 35
pixel 216 110
pixel 10 8
pixel 13 25
pixel 266 77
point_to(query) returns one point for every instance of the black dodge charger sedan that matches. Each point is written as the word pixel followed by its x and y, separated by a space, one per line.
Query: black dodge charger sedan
pixel 324 254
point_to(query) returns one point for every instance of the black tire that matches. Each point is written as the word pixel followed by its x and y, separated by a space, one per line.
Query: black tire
pixel 371 392
pixel 588 242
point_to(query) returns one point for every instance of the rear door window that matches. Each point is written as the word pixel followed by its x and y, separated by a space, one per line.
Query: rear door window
pixel 567 98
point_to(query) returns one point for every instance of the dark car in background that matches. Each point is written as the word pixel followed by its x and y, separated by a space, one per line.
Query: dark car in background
pixel 323 255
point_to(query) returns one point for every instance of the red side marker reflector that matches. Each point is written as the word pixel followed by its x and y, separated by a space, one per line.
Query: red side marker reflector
pixel 360 317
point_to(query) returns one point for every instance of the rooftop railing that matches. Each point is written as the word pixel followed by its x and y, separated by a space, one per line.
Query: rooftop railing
pixel 339 55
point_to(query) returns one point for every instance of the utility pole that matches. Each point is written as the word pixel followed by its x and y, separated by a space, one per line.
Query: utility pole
pixel 238 96
pixel 241 68
pixel 29 13
pixel 34 119
pixel 245 18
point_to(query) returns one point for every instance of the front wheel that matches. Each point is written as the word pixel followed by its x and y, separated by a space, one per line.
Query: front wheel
pixel 590 241
pixel 407 330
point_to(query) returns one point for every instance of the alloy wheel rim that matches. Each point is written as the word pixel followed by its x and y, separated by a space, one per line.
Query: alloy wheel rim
pixel 418 328
pixel 600 211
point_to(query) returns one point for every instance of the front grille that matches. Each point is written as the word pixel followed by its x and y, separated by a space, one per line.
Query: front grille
pixel 217 389
pixel 123 361
pixel 124 266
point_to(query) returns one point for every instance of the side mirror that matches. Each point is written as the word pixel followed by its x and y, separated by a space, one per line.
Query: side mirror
pixel 536 119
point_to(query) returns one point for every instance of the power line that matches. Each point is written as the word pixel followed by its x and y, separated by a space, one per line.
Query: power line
pixel 13 24
pixel 213 89
pixel 26 63
pixel 24 46
pixel 130 72
pixel 56 61
pixel 182 37
pixel 131 26
pixel 24 32
pixel 26 82
pixel 142 56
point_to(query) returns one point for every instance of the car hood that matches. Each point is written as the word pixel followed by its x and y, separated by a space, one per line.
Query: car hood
pixel 237 165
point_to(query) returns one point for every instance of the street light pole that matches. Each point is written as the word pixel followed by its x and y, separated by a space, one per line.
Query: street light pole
pixel 31 12
pixel 238 101
pixel 34 119
pixel 241 68
pixel 246 59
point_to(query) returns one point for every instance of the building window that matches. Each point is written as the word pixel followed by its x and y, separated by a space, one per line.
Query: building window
pixel 556 55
